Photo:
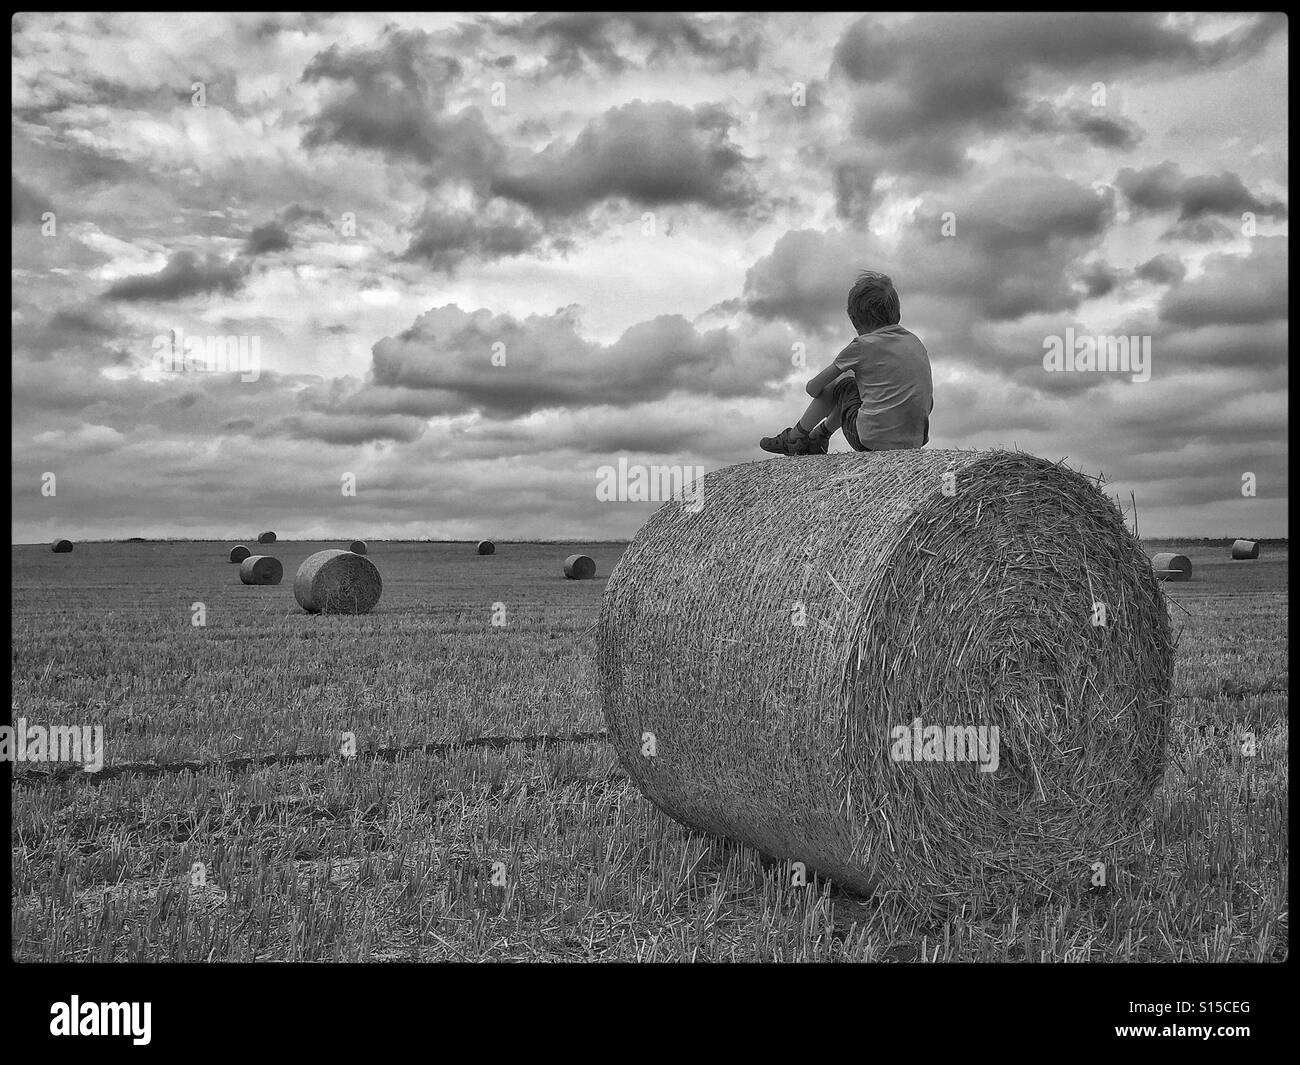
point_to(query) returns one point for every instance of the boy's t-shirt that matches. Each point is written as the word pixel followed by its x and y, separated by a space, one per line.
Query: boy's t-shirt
pixel 892 371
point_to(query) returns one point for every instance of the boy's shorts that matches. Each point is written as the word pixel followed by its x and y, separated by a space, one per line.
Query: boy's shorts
pixel 849 402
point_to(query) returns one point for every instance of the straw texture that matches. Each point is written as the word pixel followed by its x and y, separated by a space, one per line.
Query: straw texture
pixel 267 537
pixel 1245 549
pixel 261 569
pixel 1169 566
pixel 61 547
pixel 239 553
pixel 975 608
pixel 359 548
pixel 487 547
pixel 580 567
pixel 337 582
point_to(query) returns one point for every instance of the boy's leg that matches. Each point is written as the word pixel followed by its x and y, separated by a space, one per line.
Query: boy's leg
pixel 825 405
pixel 811 433
pixel 822 406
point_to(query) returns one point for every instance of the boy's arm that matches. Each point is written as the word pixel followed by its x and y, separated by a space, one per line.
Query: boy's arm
pixel 845 362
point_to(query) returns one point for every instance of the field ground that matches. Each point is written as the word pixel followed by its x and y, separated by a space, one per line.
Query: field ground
pixel 277 848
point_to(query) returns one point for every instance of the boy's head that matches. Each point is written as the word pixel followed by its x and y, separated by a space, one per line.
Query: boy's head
pixel 873 303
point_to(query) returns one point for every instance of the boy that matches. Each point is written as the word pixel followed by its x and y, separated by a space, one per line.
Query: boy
pixel 878 390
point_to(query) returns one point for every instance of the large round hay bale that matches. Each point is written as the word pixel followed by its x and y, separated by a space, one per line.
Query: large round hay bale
pixel 267 537
pixel 1170 566
pixel 239 553
pixel 487 547
pixel 809 662
pixel 337 582
pixel 580 567
pixel 261 569
pixel 358 547
pixel 1245 549
pixel 61 547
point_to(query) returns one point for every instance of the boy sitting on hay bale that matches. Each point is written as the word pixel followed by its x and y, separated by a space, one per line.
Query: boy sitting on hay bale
pixel 878 389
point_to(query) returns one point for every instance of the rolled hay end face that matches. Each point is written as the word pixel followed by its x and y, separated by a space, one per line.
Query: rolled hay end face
pixel 487 547
pixel 1242 549
pixel 941 722
pixel 358 547
pixel 267 537
pixel 337 582
pixel 580 567
pixel 239 553
pixel 61 547
pixel 1170 566
pixel 261 569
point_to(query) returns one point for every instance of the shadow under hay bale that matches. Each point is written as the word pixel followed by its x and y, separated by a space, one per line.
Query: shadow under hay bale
pixel 337 582
pixel 1242 549
pixel 1170 566
pixel 239 553
pixel 267 537
pixel 822 653
pixel 61 547
pixel 487 547
pixel 359 547
pixel 580 567
pixel 261 569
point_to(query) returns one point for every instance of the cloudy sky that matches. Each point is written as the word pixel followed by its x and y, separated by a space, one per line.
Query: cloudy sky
pixel 480 257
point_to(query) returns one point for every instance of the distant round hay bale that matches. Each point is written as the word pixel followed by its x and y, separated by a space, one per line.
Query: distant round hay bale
pixel 239 553
pixel 61 547
pixel 814 663
pixel 1170 566
pixel 579 567
pixel 487 547
pixel 1245 549
pixel 337 582
pixel 267 537
pixel 261 569
pixel 359 548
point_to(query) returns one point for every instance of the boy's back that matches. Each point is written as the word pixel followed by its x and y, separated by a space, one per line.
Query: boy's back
pixel 892 370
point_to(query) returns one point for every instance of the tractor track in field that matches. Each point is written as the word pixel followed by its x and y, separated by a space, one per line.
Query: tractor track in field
pixel 72 771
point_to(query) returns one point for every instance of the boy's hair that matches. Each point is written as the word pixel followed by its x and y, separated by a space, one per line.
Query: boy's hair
pixel 873 303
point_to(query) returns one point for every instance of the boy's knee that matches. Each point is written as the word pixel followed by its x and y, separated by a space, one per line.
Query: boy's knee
pixel 830 388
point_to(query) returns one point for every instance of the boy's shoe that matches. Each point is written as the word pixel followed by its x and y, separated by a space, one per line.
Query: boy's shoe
pixel 794 441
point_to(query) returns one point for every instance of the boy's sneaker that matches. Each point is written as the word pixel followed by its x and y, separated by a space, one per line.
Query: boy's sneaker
pixel 794 441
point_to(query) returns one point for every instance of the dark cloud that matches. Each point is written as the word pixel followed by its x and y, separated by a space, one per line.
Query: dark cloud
pixel 27 206
pixel 1163 269
pixel 1016 250
pixel 348 429
pixel 296 213
pixel 184 275
pixel 444 238
pixel 606 41
pixel 1099 279
pixel 1233 289
pixel 1105 131
pixel 651 153
pixel 266 239
pixel 1165 188
pixel 393 99
pixel 936 83
pixel 277 235
pixel 853 176
pixel 84 334
pixel 549 364
pixel 1200 231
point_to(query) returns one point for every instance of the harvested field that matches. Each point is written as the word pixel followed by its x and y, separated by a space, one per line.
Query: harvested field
pixel 481 744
